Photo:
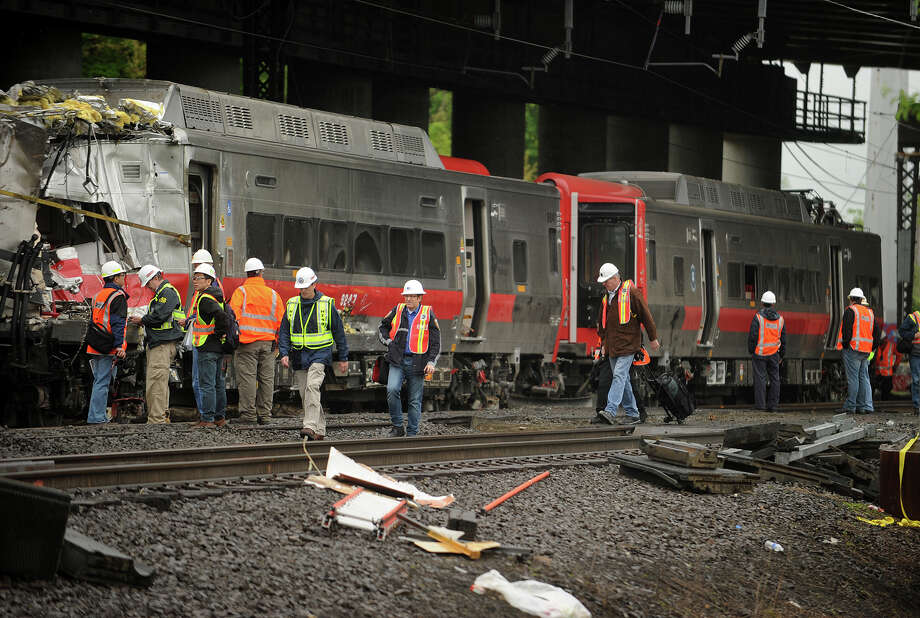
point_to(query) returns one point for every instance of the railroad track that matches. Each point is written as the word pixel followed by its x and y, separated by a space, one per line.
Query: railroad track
pixel 191 464
pixel 818 406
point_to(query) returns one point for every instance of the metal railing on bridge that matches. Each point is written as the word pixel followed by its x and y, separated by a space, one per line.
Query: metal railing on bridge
pixel 827 118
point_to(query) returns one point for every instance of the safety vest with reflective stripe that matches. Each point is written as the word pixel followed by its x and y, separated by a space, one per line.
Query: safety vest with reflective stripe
pixel 887 359
pixel 196 293
pixel 768 341
pixel 102 315
pixel 915 316
pixel 418 333
pixel 863 323
pixel 200 328
pixel 623 303
pixel 301 339
pixel 259 312
pixel 177 313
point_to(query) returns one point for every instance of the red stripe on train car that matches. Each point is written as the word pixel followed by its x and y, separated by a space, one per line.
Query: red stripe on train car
pixel 735 320
pixel 692 317
pixel 501 307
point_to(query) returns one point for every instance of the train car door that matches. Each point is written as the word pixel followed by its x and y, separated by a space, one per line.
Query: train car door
pixel 835 305
pixel 708 282
pixel 201 211
pixel 606 233
pixel 475 273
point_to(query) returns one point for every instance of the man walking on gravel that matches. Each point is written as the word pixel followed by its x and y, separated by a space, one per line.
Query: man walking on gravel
pixel 767 345
pixel 310 326
pixel 859 334
pixel 161 326
pixel 413 339
pixel 623 311
pixel 258 310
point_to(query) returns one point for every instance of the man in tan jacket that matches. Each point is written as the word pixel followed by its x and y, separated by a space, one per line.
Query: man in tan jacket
pixel 623 310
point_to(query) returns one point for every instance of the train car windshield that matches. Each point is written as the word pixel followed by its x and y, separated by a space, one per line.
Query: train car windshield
pixel 603 242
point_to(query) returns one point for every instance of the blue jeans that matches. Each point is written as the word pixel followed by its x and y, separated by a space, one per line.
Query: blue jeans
pixel 859 391
pixel 416 385
pixel 915 380
pixel 196 388
pixel 620 388
pixel 212 386
pixel 104 371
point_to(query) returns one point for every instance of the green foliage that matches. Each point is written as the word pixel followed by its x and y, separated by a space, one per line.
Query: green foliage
pixel 440 110
pixel 531 141
pixel 106 56
pixel 908 107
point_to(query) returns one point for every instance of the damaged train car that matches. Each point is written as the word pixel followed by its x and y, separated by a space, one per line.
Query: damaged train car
pixel 144 171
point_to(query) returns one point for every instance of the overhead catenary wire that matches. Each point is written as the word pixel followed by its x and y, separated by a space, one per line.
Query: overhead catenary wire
pixel 870 14
pixel 820 184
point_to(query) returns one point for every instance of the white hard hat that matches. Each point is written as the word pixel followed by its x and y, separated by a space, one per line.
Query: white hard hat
pixel 304 278
pixel 768 297
pixel 202 256
pixel 607 270
pixel 112 268
pixel 856 293
pixel 147 272
pixel 253 264
pixel 206 269
pixel 413 287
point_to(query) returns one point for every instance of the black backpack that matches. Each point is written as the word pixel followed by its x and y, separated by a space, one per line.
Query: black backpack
pixel 674 397
pixel 231 340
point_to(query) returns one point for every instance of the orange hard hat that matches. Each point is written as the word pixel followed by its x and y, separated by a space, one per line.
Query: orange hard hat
pixel 641 357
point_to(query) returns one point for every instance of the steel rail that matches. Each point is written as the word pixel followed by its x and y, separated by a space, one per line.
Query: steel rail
pixel 223 462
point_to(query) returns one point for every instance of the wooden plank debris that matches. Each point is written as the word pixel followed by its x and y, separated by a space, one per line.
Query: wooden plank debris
pixel 681 453
pixel 704 480
pixel 822 444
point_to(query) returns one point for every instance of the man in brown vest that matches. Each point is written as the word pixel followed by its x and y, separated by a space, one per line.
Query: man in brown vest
pixel 623 311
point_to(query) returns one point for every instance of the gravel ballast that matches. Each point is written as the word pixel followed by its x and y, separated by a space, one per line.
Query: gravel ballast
pixel 622 546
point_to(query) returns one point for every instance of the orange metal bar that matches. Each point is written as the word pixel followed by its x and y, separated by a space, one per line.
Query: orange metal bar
pixel 515 491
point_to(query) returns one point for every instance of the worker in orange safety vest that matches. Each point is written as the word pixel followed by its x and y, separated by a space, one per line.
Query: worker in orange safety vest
pixel 413 339
pixel 258 310
pixel 859 334
pixel 886 359
pixel 767 346
pixel 105 338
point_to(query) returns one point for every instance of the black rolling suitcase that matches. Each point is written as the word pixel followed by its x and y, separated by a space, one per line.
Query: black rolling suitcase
pixel 673 396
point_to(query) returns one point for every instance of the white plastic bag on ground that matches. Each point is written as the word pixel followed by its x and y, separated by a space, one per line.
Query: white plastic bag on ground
pixel 531 596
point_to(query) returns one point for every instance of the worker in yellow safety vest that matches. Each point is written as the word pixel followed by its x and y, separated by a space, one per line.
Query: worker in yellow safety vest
pixel 309 328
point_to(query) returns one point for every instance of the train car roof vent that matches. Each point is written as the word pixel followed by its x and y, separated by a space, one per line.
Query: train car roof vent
pixel 380 140
pixel 737 200
pixel 202 113
pixel 410 145
pixel 238 116
pixel 130 171
pixel 294 126
pixel 694 191
pixel 333 133
pixel 712 194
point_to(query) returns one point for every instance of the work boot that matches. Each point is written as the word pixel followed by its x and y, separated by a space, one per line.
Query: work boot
pixel 397 432
pixel 262 420
pixel 598 420
pixel 204 425
pixel 630 420
pixel 220 422
pixel 308 433
pixel 608 417
pixel 249 420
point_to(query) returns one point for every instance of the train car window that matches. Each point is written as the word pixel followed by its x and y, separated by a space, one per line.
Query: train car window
pixel 553 250
pixel 298 242
pixel 601 243
pixel 434 262
pixel 519 257
pixel 678 275
pixel 874 292
pixel 402 251
pixel 267 182
pixel 652 260
pixel 799 283
pixel 260 237
pixel 814 285
pixel 333 245
pixel 368 249
pixel 768 279
pixel 750 282
pixel 783 285
pixel 734 280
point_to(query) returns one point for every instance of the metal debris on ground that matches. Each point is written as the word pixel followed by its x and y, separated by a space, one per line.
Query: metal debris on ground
pixel 705 480
pixel 86 558
pixel 366 510
pixel 681 453
pixel 515 491
pixel 32 524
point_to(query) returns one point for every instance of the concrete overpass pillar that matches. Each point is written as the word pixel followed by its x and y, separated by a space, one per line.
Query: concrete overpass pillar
pixel 695 150
pixel 751 160
pixel 489 130
pixel 401 104
pixel 330 89
pixel 188 62
pixel 636 144
pixel 572 140
pixel 38 48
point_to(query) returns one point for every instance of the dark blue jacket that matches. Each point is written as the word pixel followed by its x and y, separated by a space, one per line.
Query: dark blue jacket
pixel 907 331
pixel 118 315
pixel 396 347
pixel 754 333
pixel 302 359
